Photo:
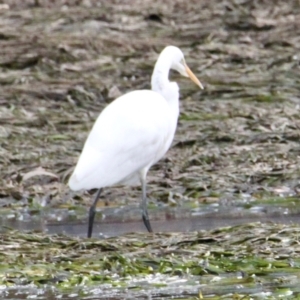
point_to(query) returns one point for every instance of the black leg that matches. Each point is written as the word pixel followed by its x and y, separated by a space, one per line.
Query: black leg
pixel 146 221
pixel 144 207
pixel 92 213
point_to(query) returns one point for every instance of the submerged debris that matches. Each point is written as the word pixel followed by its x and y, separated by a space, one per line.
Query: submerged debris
pixel 249 260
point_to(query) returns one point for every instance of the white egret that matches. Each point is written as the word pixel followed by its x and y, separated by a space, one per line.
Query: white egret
pixel 132 133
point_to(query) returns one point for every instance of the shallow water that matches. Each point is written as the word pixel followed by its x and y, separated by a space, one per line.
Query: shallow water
pixel 173 225
pixel 119 221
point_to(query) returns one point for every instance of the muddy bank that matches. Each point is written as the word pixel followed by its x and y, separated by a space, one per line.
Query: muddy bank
pixel 237 141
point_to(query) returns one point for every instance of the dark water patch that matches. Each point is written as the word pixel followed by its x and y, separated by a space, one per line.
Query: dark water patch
pixel 119 221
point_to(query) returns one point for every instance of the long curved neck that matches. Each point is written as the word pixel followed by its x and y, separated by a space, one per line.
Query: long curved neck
pixel 160 84
pixel 160 76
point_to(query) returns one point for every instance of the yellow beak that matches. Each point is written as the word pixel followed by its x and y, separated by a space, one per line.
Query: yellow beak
pixel 193 77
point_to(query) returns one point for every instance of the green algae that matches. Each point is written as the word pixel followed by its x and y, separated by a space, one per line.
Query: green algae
pixel 253 257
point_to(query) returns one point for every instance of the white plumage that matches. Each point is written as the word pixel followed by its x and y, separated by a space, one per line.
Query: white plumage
pixel 132 133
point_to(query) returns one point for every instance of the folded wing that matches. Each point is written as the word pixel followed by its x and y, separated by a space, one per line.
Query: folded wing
pixel 128 136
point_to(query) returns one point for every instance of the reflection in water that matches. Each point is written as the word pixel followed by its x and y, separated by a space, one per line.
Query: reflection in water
pixel 120 221
pixel 171 225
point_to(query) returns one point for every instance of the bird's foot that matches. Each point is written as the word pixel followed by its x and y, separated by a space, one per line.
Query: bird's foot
pixel 147 222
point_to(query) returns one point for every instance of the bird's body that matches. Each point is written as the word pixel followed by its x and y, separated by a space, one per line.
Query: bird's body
pixel 143 125
pixel 132 133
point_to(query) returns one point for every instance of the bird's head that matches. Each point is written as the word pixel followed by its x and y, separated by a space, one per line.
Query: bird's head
pixel 178 63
